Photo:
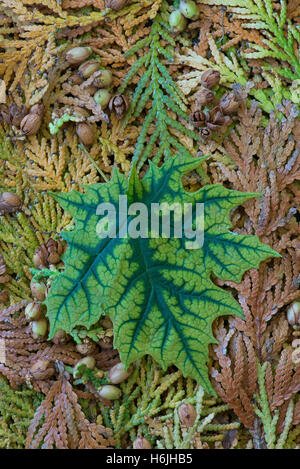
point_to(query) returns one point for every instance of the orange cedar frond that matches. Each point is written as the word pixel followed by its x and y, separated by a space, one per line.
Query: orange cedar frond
pixel 59 423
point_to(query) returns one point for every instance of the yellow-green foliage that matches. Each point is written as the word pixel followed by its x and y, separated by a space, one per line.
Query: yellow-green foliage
pixel 268 419
pixel 281 37
pixel 16 410
pixel 152 393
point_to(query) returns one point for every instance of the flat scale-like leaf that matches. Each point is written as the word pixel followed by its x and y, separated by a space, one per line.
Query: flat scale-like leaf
pixel 159 294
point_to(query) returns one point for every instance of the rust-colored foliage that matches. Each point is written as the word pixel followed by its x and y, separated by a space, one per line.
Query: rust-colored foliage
pixel 22 350
pixel 265 160
pixel 59 423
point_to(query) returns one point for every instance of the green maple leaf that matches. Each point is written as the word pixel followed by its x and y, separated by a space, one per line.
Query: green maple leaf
pixel 159 294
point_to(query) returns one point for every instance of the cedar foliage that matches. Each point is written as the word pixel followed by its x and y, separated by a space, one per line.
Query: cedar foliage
pixel 156 84
pixel 59 423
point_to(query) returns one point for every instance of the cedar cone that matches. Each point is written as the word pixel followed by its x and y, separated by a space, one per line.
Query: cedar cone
pixel 141 443
pixel 115 4
pixel 187 414
pixel 49 253
pixel 119 105
pixel 37 109
pixel 41 370
pixel 216 119
pixel 87 347
pixel 85 132
pixel 3 278
pixel 9 202
pixel 30 124
pixel 87 68
pixel 210 78
pixel 32 121
pixel 204 97
pixel 76 79
pixel 4 296
pixel 205 133
pixel 198 118
pixel 60 338
pixel 229 103
pixel 77 55
pixel 13 114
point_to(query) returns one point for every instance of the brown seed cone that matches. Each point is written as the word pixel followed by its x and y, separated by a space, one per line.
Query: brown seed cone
pixel 89 67
pixel 210 78
pixel 229 103
pixel 55 247
pixel 77 55
pixel 91 90
pixel 85 133
pixel 40 257
pixel 115 4
pixel 53 258
pixel 119 105
pixel 203 98
pixel 76 79
pixel 30 124
pixel 106 343
pixel 4 296
pixel 293 314
pixel 49 253
pixel 216 119
pixel 101 79
pixel 13 114
pixel 37 109
pixel 117 373
pixel 5 278
pixel 4 114
pixel 187 414
pixel 141 443
pixel 198 118
pixel 9 203
pixel 41 370
pixel 38 289
pixel 18 116
pixel 205 133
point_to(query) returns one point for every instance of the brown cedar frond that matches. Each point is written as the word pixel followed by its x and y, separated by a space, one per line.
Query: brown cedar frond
pixel 289 380
pixel 261 295
pixel 264 160
pixel 60 422
pixel 293 10
pixel 30 30
pixel 217 21
pixel 83 99
pixel 267 161
pixel 296 419
pixel 232 381
pixel 22 350
pixel 282 385
pixel 56 163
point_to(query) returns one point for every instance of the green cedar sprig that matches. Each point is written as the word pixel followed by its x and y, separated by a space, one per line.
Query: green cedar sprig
pixel 157 85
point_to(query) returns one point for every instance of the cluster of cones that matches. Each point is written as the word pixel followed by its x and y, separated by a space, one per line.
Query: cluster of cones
pixel 218 116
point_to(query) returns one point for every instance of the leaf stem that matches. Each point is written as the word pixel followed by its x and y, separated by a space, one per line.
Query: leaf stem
pixel 93 162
